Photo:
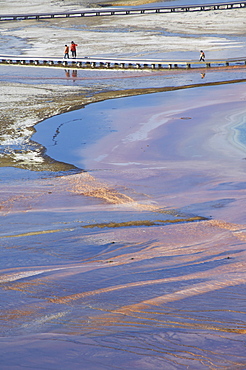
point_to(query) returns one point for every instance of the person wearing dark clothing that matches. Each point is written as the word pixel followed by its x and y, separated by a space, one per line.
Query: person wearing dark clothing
pixel 202 56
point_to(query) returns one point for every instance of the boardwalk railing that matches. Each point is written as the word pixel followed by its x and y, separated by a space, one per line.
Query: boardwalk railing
pixel 119 63
pixel 126 11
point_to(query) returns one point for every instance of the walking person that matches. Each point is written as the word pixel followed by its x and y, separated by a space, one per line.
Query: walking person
pixel 202 56
pixel 66 52
pixel 73 49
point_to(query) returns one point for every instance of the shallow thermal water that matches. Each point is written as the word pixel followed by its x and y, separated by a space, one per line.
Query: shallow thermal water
pixel 125 124
pixel 138 262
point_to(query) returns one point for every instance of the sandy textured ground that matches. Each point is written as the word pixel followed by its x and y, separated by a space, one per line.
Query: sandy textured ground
pixel 26 6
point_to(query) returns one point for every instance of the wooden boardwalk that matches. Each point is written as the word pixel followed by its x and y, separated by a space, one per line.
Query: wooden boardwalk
pixel 119 63
pixel 126 11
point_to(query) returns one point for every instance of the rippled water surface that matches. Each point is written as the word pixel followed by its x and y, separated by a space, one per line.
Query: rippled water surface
pixel 136 260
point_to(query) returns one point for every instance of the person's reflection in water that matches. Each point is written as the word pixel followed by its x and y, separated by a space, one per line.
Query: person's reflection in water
pixel 74 74
pixel 67 73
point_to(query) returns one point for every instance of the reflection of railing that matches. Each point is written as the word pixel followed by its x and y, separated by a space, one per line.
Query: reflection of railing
pixel 126 11
pixel 119 62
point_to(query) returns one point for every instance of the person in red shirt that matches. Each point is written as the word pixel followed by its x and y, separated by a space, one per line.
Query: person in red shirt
pixel 73 49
